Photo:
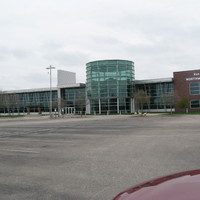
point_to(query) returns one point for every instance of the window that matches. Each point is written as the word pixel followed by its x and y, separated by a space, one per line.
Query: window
pixel 195 104
pixel 195 88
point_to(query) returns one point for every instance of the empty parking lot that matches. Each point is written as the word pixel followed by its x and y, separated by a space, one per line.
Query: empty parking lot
pixel 92 158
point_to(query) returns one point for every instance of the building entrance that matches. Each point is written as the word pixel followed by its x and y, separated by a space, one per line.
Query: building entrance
pixel 69 110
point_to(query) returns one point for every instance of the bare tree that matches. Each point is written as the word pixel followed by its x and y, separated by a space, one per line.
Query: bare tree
pixel 7 102
pixel 14 102
pixel 62 103
pixel 2 101
pixel 80 101
pixel 141 98
pixel 168 99
pixel 17 102
pixel 55 104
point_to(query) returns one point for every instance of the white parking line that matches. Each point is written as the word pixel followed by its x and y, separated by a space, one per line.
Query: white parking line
pixel 18 150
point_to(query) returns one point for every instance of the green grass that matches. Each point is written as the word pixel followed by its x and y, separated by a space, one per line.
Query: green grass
pixel 11 116
pixel 178 113
pixel 188 113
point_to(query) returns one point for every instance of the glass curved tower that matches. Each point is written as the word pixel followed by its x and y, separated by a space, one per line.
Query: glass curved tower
pixel 110 86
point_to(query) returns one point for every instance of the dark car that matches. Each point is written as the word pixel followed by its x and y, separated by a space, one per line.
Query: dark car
pixel 179 186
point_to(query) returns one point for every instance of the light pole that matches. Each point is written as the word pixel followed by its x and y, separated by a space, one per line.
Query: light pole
pixel 50 97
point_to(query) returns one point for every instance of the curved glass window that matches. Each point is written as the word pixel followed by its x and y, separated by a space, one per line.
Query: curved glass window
pixel 107 82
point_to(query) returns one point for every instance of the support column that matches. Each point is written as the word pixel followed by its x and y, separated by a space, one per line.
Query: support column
pixel 99 106
pixel 132 105
pixel 88 109
pixel 59 101
pixel 118 105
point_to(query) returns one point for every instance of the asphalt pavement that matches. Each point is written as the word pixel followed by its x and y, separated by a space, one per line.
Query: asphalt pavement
pixel 94 157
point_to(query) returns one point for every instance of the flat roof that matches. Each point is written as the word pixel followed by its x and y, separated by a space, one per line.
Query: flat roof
pixel 187 71
pixel 110 60
pixel 76 85
pixel 30 90
pixel 72 85
pixel 160 80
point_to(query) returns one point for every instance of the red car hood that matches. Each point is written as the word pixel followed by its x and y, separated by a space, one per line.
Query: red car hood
pixel 180 186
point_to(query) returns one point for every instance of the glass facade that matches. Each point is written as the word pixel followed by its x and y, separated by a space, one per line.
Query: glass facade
pixel 156 91
pixel 73 100
pixel 195 88
pixel 110 85
pixel 28 102
pixel 110 88
pixel 195 104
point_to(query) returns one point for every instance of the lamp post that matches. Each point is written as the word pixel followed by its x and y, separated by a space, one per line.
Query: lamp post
pixel 50 99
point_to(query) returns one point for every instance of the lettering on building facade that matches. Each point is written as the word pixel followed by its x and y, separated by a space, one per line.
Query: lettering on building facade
pixel 195 78
pixel 196 74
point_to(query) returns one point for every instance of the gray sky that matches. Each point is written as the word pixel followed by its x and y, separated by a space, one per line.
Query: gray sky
pixel 160 36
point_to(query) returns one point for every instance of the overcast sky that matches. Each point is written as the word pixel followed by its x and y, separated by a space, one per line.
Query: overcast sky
pixel 160 36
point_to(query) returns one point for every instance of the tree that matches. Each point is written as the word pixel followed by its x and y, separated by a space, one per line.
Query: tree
pixel 62 103
pixel 13 102
pixel 7 102
pixel 55 104
pixel 168 100
pixel 184 104
pixel 141 98
pixel 2 101
pixel 80 101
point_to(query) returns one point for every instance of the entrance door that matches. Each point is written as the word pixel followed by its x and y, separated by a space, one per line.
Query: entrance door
pixel 69 110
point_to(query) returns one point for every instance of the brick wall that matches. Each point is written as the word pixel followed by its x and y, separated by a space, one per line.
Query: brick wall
pixel 182 82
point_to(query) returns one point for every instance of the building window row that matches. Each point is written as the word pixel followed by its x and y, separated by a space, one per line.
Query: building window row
pixel 195 104
pixel 195 88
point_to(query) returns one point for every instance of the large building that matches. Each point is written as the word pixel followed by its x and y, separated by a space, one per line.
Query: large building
pixel 110 88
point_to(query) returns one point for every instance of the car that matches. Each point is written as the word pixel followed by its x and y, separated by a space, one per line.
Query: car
pixel 180 186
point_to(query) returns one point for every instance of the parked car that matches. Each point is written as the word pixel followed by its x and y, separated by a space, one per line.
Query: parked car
pixel 179 186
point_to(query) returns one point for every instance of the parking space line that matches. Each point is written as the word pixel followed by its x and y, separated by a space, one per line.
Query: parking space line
pixel 20 151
